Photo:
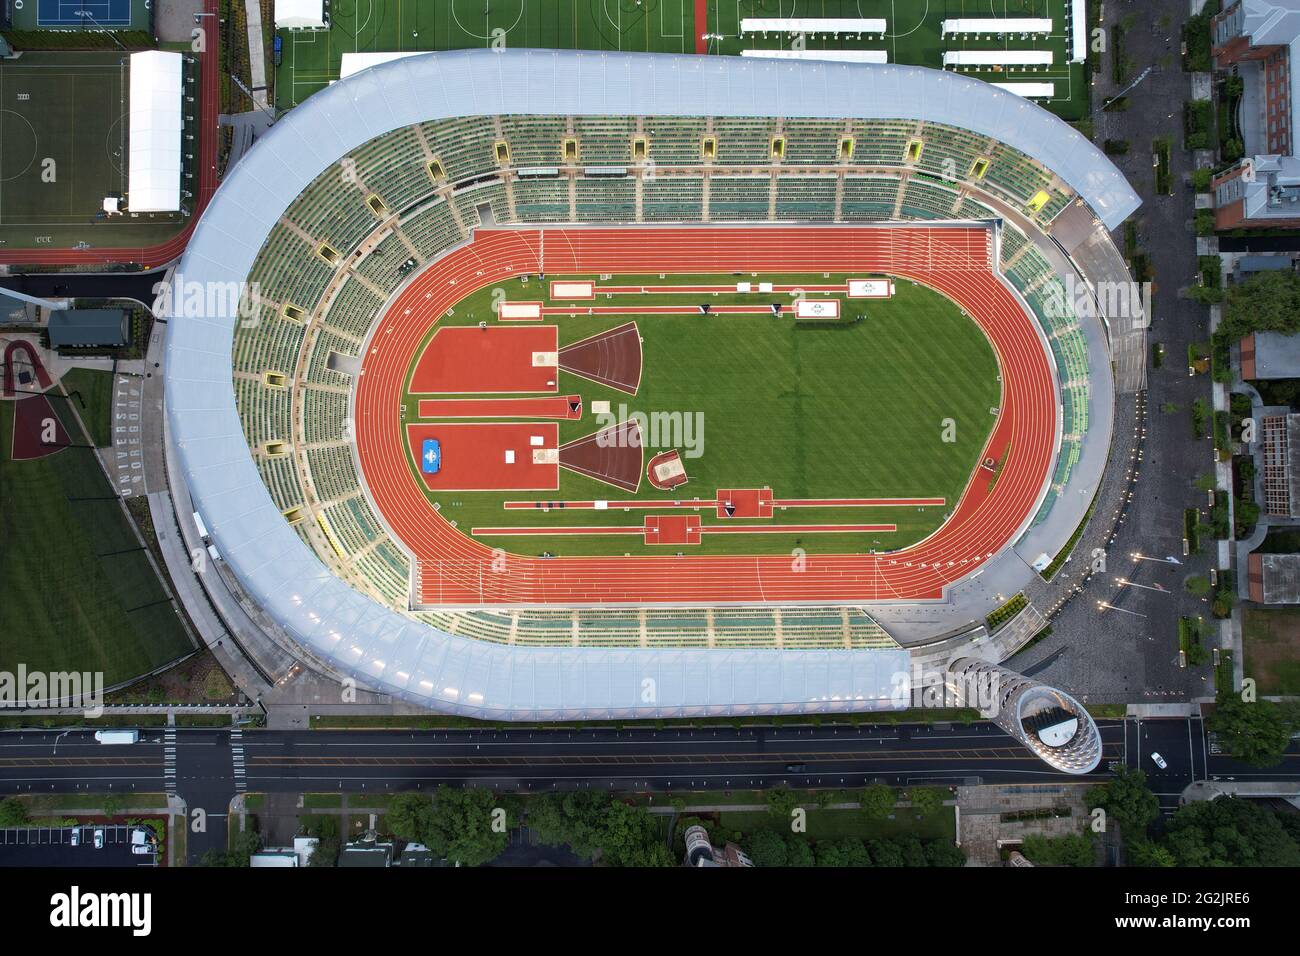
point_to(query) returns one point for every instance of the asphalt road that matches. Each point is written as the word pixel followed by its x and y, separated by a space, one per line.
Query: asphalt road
pixel 208 770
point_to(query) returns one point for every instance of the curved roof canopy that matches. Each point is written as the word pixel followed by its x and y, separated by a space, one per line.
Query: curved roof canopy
pixel 388 650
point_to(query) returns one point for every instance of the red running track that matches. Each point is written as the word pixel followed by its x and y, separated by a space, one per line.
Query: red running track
pixel 150 256
pixel 455 569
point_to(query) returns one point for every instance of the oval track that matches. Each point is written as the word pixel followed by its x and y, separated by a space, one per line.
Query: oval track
pixel 957 261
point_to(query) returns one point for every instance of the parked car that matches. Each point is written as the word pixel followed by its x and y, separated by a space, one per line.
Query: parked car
pixel 74 838
pixel 142 842
pixel 1159 760
pixel 99 838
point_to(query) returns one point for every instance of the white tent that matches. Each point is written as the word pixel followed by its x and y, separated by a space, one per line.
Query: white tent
pixel 997 58
pixel 997 25
pixel 156 124
pixel 841 56
pixel 300 14
pixel 816 25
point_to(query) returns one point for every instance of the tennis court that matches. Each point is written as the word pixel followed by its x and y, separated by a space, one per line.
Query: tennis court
pixel 69 15
pixel 84 13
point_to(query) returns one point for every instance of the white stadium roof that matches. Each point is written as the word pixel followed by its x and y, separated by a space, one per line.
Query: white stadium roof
pixel 155 127
pixel 391 652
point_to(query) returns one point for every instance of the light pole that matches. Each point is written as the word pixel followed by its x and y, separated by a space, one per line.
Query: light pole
pixel 1167 559
pixel 1126 583
pixel 1103 605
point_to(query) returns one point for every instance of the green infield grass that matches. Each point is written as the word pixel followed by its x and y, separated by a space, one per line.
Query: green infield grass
pixel 94 397
pixel 848 409
pixel 1270 640
pixel 77 592
pixel 63 150
pixel 311 60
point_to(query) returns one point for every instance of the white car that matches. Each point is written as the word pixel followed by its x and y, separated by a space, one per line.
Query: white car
pixel 74 838
pixel 1159 761
pixel 141 842
pixel 99 838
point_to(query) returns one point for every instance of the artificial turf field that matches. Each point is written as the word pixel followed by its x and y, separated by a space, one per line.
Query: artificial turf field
pixel 852 409
pixel 63 148
pixel 312 59
pixel 76 590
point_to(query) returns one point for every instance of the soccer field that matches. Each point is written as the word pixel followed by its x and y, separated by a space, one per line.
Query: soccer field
pixel 76 590
pixel 854 409
pixel 63 149
pixel 312 59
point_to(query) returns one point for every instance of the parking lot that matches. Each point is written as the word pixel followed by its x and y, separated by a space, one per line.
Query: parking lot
pixel 53 846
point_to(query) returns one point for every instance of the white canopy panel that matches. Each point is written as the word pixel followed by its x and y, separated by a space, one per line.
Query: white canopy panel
pixel 998 25
pixel 300 14
pixel 356 62
pixel 155 127
pixel 839 56
pixel 997 58
pixel 812 25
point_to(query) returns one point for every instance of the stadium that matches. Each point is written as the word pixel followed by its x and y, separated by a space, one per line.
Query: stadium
pixel 600 385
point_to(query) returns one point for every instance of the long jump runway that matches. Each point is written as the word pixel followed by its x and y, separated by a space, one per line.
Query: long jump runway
pixel 453 569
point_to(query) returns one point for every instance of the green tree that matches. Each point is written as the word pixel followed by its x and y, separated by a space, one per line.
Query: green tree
pixel 1128 801
pixel 928 800
pixel 1266 302
pixel 886 853
pixel 830 853
pixel 1229 832
pixel 781 801
pixel 463 827
pixel 878 801
pixel 409 816
pixel 12 812
pixel 798 851
pixel 943 853
pixel 1256 733
pixel 590 822
pixel 1071 850
pixel 1144 852
pixel 325 828
pixel 766 848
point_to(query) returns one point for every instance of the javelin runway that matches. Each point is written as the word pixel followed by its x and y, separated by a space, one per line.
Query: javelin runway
pixel 452 569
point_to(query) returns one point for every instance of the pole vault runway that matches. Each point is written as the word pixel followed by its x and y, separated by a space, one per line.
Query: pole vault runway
pixel 453 569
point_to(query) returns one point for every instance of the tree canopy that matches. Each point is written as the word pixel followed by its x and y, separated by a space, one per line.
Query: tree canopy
pixel 1229 832
pixel 1255 732
pixel 1128 801
pixel 1266 302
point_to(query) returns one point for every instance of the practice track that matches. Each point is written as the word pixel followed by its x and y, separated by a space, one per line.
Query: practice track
pixel 957 261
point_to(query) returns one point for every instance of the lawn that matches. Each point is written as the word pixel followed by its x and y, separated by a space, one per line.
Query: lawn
pixel 79 592
pixel 94 388
pixel 312 60
pixel 854 409
pixel 1271 644
pixel 63 148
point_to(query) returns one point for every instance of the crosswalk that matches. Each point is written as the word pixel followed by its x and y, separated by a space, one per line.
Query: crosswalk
pixel 169 760
pixel 237 756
